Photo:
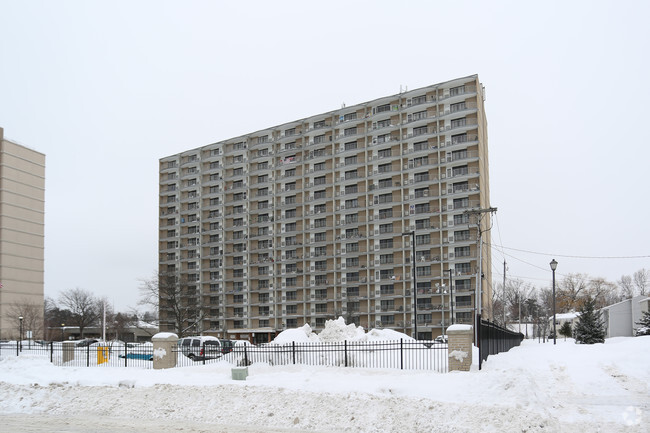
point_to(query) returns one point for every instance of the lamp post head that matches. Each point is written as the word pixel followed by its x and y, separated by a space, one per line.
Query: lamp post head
pixel 553 265
pixel 20 318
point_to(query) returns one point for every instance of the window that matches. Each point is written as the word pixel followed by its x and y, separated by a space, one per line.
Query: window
pixel 319 124
pixel 350 145
pixel 321 293
pixel 292 282
pixel 320 194
pixel 320 237
pixel 191 206
pixel 421 145
pixel 290 227
pixel 351 160
pixel 388 305
pixel 290 146
pixel 384 168
pixel 262 166
pixel 292 323
pixel 320 251
pixel 350 131
pixel 461 203
pixel 290 173
pixel 215 177
pixel 419 115
pixel 422 208
pixel 459 171
pixel 461 186
pixel 318 152
pixel 292 309
pixel 321 280
pixel 321 308
pixel 352 174
pixel 320 208
pixel 352 248
pixel 385 213
pixel 289 132
pixel 385 259
pixel 352 291
pixel 290 186
pixel 351 189
pixel 423 271
pixel 238 260
pixel 461 235
pixel 386 183
pixel 352 203
pixel 352 233
pixel 387 289
pixel 462 252
pixel 420 131
pixel 320 222
pixel 459 138
pixel 319 167
pixel 387 320
pixel 263 178
pixel 261 139
pixel 384 153
pixel 263 205
pixel 383 123
pixel 290 213
pixel 422 239
pixel 353 307
pixel 236 197
pixel 463 268
pixel 352 262
pixel 458 123
pixel 385 198
pixel 382 108
pixel 421 192
pixel 238 273
pixel 457 90
pixel 291 268
pixel 384 138
pixel 321 265
pixel 290 199
pixel 461 219
pixel 385 243
pixel 321 180
pixel 350 116
pixel 422 177
pixel 319 139
pixel 238 172
pixel 386 228
pixel 457 107
pixel 351 218
pixel 352 276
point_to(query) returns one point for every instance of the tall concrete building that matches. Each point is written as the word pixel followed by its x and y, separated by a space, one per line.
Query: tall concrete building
pixel 22 223
pixel 315 219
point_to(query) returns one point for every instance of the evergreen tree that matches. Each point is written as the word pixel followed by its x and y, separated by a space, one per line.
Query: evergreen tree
pixel 566 330
pixel 590 328
pixel 644 324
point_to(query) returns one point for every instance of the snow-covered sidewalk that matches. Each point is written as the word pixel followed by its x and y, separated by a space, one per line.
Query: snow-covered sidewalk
pixel 532 388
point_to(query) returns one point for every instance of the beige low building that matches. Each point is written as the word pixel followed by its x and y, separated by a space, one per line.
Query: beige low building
pixel 22 222
pixel 315 219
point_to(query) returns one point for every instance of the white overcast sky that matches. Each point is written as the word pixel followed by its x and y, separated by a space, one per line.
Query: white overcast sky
pixel 105 89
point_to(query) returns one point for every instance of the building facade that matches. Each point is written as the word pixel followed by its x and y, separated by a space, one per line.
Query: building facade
pixel 22 223
pixel 314 219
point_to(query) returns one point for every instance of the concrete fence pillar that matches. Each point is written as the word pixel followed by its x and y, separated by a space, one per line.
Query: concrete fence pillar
pixel 460 347
pixel 165 346
pixel 68 351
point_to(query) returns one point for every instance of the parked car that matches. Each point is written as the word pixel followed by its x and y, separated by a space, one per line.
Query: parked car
pixel 86 342
pixel 199 347
pixel 443 339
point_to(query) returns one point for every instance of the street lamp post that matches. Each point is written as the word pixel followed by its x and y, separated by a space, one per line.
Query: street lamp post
pixel 20 342
pixel 553 268
pixel 451 295
pixel 62 325
pixel 414 288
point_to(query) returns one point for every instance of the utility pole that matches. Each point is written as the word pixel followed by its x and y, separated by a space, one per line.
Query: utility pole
pixel 479 276
pixel 504 294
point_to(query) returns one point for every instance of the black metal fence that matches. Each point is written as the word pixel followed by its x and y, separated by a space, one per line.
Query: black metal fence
pixel 495 339
pixel 399 354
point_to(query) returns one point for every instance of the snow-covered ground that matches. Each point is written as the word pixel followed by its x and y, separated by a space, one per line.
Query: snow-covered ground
pixel 533 388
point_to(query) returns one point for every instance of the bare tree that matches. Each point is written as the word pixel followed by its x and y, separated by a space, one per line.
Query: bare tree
pixel 32 315
pixel 82 305
pixel 179 306
pixel 627 286
pixel 642 280
pixel 569 292
pixel 602 292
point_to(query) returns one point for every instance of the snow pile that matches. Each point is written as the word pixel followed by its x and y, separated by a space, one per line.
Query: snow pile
pixel 337 331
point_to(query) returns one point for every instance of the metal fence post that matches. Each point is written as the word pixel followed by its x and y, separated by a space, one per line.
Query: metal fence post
pixel 245 356
pixel 51 351
pixel 293 349
pixel 125 357
pixel 401 354
pixel 345 348
pixel 88 355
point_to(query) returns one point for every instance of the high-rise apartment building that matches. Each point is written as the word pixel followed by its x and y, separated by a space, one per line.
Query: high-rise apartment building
pixel 314 219
pixel 22 223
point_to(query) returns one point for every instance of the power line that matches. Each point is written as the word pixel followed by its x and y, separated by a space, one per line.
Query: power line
pixel 568 256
